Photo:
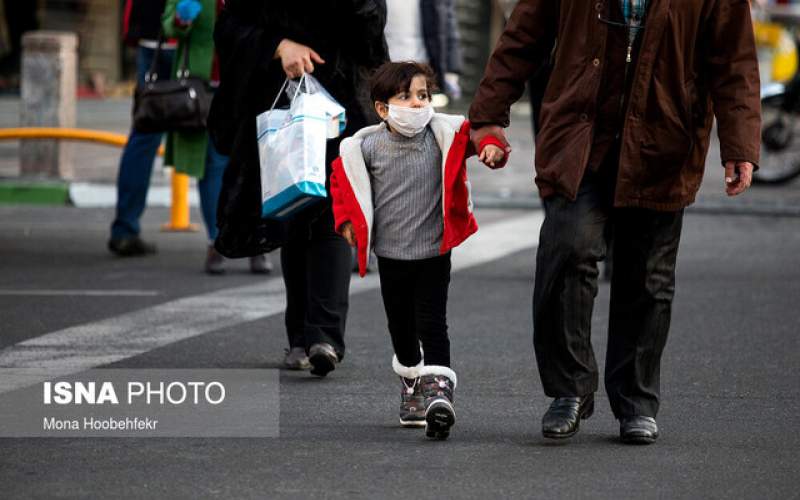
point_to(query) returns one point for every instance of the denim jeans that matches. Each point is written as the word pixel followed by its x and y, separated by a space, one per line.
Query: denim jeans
pixel 136 164
pixel 209 187
pixel 572 241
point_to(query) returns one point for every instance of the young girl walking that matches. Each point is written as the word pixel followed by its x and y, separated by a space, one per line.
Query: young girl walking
pixel 400 188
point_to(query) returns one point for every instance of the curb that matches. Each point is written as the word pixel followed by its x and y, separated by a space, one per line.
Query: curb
pixel 34 193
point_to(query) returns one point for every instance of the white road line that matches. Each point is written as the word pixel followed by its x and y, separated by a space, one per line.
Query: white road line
pixel 83 293
pixel 81 347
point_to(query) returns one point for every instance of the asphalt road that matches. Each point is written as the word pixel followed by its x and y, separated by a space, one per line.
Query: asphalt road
pixel 730 386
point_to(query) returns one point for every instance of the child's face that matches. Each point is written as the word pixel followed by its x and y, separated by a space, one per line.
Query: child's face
pixel 417 96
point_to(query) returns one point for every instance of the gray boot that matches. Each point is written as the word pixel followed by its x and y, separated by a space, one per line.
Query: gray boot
pixel 412 403
pixel 438 384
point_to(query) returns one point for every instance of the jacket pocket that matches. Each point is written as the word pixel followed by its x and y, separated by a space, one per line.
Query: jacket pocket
pixel 667 135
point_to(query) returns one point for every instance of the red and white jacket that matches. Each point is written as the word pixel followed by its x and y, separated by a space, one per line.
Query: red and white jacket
pixel 351 189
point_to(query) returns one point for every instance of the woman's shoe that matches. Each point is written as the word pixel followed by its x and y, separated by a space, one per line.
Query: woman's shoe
pixel 296 359
pixel 323 359
pixel 261 264
pixel 215 262
pixel 130 247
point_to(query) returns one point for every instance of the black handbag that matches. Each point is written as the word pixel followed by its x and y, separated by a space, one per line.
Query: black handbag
pixel 171 105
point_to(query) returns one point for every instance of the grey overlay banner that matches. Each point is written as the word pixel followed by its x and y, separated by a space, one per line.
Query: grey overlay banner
pixel 145 403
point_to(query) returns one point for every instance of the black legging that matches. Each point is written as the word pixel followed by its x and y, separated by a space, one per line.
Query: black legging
pixel 415 298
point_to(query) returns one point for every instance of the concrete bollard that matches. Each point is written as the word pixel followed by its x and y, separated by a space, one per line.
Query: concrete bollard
pixel 48 82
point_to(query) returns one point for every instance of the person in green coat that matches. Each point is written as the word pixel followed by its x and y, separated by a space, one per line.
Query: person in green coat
pixel 191 22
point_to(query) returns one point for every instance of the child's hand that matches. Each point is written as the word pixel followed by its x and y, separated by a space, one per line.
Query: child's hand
pixel 491 155
pixel 349 233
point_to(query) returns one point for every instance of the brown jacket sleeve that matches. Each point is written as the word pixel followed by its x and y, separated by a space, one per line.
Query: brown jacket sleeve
pixel 734 82
pixel 523 47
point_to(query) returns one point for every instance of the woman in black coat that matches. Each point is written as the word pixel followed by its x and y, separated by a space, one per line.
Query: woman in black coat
pixel 259 45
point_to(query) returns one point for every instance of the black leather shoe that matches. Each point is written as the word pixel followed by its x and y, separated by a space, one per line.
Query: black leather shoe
pixel 638 430
pixel 130 247
pixel 563 418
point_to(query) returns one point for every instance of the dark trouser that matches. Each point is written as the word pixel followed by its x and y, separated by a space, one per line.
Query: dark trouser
pixel 136 163
pixel 415 298
pixel 642 287
pixel 316 271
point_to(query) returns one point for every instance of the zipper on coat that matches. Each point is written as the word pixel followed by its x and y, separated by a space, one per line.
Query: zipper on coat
pixel 621 110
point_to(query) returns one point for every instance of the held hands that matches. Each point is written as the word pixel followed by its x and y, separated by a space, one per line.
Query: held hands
pixel 188 10
pixel 296 58
pixel 491 155
pixel 349 233
pixel 738 177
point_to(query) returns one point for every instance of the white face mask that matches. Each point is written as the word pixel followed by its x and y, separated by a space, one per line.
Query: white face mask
pixel 409 121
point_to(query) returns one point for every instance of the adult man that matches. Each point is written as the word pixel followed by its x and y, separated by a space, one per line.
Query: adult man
pixel 624 132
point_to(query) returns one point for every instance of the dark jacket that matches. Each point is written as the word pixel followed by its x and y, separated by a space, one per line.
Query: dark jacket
pixel 142 20
pixel 442 40
pixel 348 35
pixel 696 56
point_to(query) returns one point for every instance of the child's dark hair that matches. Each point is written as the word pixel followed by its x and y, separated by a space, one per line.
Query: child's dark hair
pixel 392 78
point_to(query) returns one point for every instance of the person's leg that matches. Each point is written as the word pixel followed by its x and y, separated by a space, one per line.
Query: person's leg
pixel 437 380
pixel 327 278
pixel 293 267
pixel 209 188
pixel 397 291
pixel 642 288
pixel 570 245
pixel 136 164
pixel 133 182
pixel 397 279
pixel 430 308
pixel 135 167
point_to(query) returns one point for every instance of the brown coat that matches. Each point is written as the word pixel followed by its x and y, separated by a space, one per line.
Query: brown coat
pixel 696 56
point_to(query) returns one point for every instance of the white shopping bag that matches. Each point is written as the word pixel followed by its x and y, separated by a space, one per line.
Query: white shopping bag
pixel 292 146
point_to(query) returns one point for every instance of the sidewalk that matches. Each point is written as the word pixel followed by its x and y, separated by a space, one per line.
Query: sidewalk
pixel 511 187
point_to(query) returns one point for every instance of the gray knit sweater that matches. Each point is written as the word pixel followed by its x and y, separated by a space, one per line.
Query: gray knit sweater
pixel 406 178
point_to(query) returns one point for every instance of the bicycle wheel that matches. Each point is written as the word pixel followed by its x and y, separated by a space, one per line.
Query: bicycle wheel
pixel 780 144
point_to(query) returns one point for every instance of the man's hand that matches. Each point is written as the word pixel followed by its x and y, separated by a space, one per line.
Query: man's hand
pixel 349 233
pixel 296 58
pixel 477 135
pixel 491 155
pixel 738 177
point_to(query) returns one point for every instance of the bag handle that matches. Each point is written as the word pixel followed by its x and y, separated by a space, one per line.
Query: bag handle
pixel 183 71
pixel 297 91
pixel 152 74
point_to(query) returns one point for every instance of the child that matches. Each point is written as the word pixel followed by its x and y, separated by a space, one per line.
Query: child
pixel 401 188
